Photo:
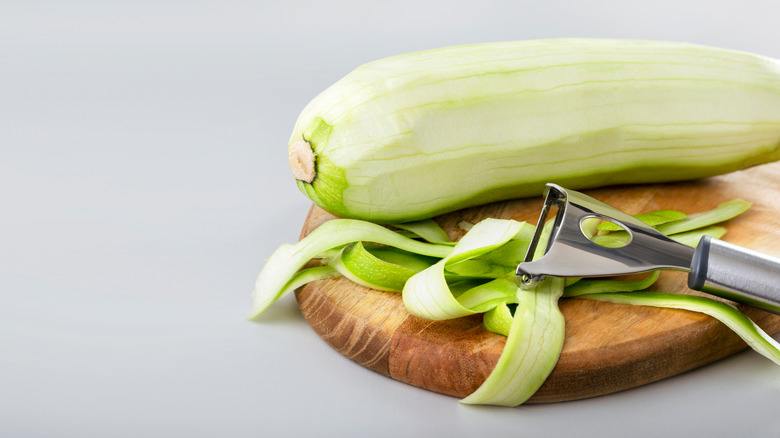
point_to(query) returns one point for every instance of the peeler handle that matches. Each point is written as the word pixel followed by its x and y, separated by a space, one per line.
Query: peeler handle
pixel 736 273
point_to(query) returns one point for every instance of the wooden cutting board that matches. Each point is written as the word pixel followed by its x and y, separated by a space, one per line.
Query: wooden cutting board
pixel 608 347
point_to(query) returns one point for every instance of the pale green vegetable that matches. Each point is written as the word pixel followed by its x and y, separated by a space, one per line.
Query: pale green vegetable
pixel 415 135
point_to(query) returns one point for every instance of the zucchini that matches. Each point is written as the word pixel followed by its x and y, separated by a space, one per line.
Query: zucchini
pixel 421 134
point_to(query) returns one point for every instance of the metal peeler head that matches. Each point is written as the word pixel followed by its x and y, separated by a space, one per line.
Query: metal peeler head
pixel 570 252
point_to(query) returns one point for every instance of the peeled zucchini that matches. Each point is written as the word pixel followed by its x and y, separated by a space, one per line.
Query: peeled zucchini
pixel 416 135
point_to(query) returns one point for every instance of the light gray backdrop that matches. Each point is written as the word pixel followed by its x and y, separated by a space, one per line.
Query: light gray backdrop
pixel 143 181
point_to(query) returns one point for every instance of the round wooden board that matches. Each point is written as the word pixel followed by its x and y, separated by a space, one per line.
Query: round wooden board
pixel 608 347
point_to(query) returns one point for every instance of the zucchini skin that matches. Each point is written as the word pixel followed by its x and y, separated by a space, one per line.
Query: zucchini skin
pixel 425 133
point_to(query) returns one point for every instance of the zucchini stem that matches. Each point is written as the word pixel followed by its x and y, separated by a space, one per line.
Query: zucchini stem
pixel 300 158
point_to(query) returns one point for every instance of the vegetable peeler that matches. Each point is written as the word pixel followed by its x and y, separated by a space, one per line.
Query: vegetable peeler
pixel 714 266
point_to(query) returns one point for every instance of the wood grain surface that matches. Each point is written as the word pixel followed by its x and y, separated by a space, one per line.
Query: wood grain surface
pixel 608 347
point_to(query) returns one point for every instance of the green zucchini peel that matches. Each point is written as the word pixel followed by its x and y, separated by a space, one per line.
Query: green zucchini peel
pixel 379 267
pixel 440 279
pixel 285 262
pixel 601 285
pixel 428 230
pixel 533 346
pixel 427 294
pixel 653 218
pixel 737 321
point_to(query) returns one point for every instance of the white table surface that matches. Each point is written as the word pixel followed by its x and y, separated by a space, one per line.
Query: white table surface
pixel 143 182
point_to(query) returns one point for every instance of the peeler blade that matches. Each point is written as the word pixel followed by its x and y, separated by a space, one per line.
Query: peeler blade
pixel 569 252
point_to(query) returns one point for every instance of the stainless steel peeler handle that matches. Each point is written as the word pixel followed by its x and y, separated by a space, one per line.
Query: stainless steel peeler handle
pixel 736 273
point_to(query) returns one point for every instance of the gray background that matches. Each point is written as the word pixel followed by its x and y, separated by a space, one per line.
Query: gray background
pixel 143 181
